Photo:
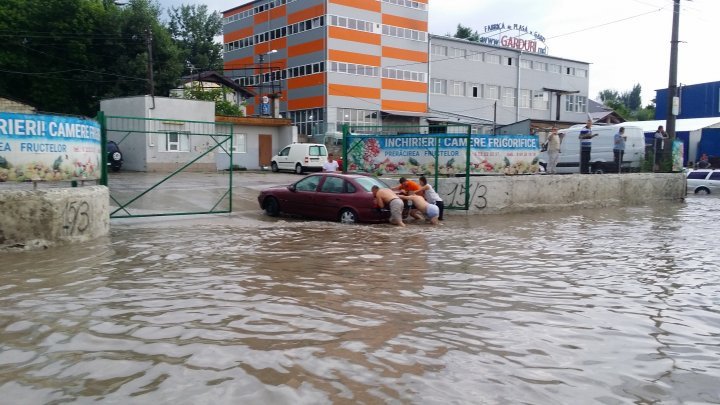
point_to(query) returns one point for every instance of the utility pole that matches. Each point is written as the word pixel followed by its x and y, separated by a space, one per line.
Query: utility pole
pixel 151 79
pixel 672 83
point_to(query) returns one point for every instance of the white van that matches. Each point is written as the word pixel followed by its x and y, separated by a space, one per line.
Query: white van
pixel 601 157
pixel 300 157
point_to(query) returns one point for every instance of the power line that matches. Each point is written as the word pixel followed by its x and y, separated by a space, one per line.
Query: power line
pixel 607 23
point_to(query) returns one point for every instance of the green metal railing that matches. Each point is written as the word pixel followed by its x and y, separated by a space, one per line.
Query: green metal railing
pixel 176 144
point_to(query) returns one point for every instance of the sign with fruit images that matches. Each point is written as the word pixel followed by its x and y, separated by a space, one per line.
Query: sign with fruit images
pixel 36 147
pixel 416 154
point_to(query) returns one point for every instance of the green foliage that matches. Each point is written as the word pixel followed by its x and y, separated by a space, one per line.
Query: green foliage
pixel 216 94
pixel 194 30
pixel 66 55
pixel 466 33
pixel 628 104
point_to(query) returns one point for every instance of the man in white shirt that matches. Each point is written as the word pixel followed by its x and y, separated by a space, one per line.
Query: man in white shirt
pixel 331 165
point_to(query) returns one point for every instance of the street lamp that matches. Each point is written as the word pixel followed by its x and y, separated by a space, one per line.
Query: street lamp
pixel 265 106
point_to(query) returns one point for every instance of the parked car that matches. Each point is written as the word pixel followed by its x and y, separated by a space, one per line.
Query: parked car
pixel 300 158
pixel 703 181
pixel 114 156
pixel 330 196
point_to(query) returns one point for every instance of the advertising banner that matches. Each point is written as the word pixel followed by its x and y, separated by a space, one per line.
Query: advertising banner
pixel 416 154
pixel 678 151
pixel 48 148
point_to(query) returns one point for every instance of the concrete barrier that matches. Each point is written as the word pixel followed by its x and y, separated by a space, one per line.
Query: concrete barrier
pixel 41 218
pixel 512 194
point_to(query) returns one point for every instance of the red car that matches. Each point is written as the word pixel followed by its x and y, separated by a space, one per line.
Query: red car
pixel 331 196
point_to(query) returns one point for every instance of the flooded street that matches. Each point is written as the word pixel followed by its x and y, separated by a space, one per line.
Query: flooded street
pixel 596 306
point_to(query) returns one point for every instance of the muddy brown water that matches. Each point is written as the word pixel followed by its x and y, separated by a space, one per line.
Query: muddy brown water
pixel 603 306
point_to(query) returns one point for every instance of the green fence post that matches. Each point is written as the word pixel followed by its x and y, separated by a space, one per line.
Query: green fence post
pixel 103 149
pixel 345 140
pixel 232 172
pixel 467 169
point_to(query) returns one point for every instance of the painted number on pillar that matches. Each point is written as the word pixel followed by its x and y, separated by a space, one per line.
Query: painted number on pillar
pixel 77 217
pixel 478 192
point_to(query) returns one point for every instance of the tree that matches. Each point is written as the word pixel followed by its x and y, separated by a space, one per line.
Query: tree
pixel 632 99
pixel 66 55
pixel 194 30
pixel 608 95
pixel 627 104
pixel 466 33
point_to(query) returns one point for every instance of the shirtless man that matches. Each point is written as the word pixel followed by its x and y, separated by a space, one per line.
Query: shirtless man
pixel 386 197
pixel 431 211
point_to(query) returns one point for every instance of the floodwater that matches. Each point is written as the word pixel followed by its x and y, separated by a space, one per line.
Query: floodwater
pixel 609 306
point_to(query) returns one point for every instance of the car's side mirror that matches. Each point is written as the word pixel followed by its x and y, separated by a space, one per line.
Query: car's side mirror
pixel 291 188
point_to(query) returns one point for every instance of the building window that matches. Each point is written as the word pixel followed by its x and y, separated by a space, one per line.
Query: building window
pixel 570 71
pixel 405 33
pixel 553 68
pixel 408 3
pixel 439 50
pixel 525 64
pixel 457 53
pixel 475 89
pixel 524 98
pixel 494 59
pixel 492 92
pixel 540 66
pixel 239 143
pixel 508 60
pixel 580 104
pixel 540 100
pixel 438 86
pixel 355 117
pixel 576 104
pixel 474 56
pixel 580 72
pixel 456 88
pixel 408 75
pixel 177 142
pixel 309 121
pixel 509 96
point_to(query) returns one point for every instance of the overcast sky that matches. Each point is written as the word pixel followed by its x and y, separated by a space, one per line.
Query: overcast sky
pixel 626 41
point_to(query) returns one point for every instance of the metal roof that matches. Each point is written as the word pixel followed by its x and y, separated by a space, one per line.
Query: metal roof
pixel 682 125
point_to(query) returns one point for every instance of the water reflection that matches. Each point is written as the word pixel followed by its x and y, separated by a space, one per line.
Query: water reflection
pixel 608 306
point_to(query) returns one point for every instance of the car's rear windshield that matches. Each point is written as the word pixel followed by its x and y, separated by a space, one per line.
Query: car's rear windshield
pixel 318 151
pixel 367 183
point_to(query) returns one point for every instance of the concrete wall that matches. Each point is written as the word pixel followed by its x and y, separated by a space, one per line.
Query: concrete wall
pixel 40 218
pixel 514 194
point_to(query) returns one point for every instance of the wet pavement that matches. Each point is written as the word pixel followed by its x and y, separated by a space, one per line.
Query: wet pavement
pixel 595 306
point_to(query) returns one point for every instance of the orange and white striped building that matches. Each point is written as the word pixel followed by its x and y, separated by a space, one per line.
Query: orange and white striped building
pixel 333 61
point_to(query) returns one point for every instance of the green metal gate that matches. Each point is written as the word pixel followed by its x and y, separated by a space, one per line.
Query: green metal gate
pixel 169 167
pixel 431 146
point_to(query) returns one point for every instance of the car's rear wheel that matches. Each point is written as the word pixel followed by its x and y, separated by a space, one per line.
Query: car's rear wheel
pixel 298 169
pixel 702 191
pixel 272 207
pixel 274 167
pixel 348 216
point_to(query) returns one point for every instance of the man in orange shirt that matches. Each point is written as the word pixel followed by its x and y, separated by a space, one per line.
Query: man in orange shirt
pixel 407 187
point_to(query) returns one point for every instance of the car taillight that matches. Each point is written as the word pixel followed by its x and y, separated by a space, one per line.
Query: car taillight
pixel 307 159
